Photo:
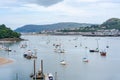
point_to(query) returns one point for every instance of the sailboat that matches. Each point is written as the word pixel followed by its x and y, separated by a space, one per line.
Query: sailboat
pixel 95 50
pixel 107 45
pixel 23 45
pixel 85 59
pixel 104 52
pixel 63 62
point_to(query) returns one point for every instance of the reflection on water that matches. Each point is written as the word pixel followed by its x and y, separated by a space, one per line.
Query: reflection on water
pixel 76 48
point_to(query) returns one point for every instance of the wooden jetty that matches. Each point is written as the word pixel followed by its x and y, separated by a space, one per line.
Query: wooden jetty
pixel 40 75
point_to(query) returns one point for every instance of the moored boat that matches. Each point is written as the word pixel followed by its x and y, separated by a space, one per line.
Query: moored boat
pixel 29 54
pixel 93 50
pixel 103 53
pixel 63 62
pixel 85 59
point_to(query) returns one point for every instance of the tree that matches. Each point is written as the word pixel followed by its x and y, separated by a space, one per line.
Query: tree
pixel 8 33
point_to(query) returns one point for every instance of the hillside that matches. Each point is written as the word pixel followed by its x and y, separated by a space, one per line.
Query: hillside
pixel 7 32
pixel 113 23
pixel 57 26
pixel 110 24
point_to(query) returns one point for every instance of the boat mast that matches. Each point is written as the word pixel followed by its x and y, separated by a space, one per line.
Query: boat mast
pixel 97 44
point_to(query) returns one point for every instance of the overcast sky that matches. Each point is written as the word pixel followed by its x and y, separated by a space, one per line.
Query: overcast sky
pixel 16 13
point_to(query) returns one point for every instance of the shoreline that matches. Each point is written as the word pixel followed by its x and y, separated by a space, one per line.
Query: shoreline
pixel 4 61
pixel 74 35
pixel 10 40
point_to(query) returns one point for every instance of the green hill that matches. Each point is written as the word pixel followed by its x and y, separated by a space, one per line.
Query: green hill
pixel 7 32
pixel 113 23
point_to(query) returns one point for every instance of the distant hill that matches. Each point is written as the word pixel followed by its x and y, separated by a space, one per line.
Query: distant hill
pixel 49 27
pixel 113 23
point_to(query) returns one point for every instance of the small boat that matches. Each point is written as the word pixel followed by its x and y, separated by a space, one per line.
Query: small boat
pixel 50 76
pixel 62 51
pixel 107 46
pixel 29 55
pixel 92 50
pixel 97 49
pixel 85 59
pixel 63 62
pixel 8 49
pixel 59 50
pixel 75 46
pixel 24 45
pixel 103 53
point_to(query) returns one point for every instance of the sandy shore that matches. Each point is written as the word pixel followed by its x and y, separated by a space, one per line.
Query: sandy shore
pixel 5 61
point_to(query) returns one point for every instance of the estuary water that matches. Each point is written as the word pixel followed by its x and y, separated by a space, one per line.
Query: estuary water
pixel 76 48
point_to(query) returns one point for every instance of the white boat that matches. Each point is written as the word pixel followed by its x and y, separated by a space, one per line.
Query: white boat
pixel 59 50
pixel 62 51
pixel 8 49
pixel 63 62
pixel 49 76
pixel 85 59
pixel 29 54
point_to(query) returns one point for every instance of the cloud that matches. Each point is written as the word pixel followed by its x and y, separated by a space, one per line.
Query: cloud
pixel 4 3
pixel 51 11
pixel 110 1
pixel 44 3
pixel 90 1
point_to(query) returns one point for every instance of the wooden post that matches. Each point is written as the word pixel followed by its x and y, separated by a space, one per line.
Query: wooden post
pixel 34 67
pixel 42 66
pixel 55 75
pixel 16 76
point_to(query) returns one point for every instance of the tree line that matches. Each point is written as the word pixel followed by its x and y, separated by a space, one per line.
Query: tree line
pixel 8 33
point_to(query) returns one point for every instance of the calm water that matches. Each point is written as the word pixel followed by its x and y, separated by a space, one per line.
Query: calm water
pixel 98 68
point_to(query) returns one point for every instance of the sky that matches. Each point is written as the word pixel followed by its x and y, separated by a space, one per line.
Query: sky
pixel 17 13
